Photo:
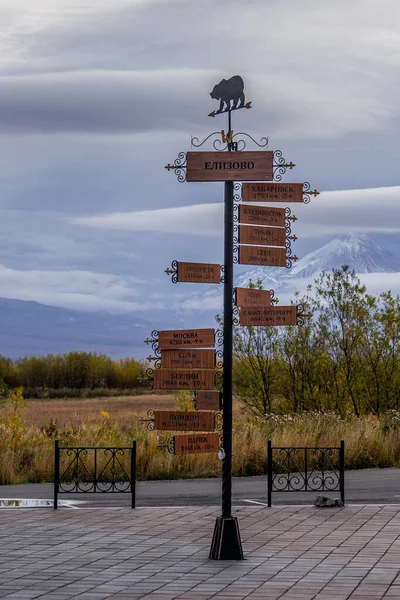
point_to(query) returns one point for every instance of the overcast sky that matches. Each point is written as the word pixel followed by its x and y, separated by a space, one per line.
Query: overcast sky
pixel 96 97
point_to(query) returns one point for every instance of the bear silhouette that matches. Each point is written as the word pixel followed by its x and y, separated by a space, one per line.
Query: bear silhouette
pixel 227 91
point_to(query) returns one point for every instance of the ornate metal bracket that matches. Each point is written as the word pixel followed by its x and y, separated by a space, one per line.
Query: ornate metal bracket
pixel 179 167
pixel 280 165
pixel 168 445
pixel 219 337
pixel 149 420
pixel 232 141
pixel 236 316
pixel 219 359
pixel 154 343
pixel 307 192
pixel 218 380
pixel 218 418
pixel 302 315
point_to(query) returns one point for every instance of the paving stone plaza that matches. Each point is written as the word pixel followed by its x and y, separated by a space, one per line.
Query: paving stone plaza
pixel 292 553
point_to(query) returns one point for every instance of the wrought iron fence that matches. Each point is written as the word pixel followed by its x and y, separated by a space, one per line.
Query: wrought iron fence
pixel 93 469
pixel 305 469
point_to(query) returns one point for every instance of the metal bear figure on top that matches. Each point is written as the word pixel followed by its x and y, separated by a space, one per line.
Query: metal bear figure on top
pixel 227 91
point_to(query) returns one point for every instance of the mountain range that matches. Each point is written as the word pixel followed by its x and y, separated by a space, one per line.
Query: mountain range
pixel 30 328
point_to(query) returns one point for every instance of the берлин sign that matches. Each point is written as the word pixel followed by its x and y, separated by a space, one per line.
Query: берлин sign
pixel 229 166
pixel 266 236
pixel 208 400
pixel 197 444
pixel 252 298
pixel 199 273
pixel 169 379
pixel 194 338
pixel 261 255
pixel 272 192
pixel 261 215
pixel 188 359
pixel 179 420
pixel 274 315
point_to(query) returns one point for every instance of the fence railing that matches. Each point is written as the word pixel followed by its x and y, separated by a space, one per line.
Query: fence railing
pixel 305 469
pixel 95 469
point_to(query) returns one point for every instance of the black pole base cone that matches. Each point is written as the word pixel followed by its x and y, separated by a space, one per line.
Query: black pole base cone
pixel 226 544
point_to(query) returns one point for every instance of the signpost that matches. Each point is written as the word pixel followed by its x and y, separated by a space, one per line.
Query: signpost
pixel 266 228
pixel 181 420
pixel 261 215
pixel 252 297
pixel 273 315
pixel 197 444
pixel 188 338
pixel 188 359
pixel 267 236
pixel 198 272
pixel 261 255
pixel 229 166
pixel 272 192
pixel 170 379
pixel 210 400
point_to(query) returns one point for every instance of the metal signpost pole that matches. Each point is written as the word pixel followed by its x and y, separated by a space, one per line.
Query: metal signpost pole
pixel 226 543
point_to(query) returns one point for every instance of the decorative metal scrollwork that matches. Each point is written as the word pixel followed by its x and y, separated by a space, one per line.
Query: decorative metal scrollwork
pixel 235 213
pixel 168 445
pixel 219 359
pixel 302 314
pixel 194 141
pixel 280 165
pixel 153 340
pixel 305 470
pixel 221 144
pixel 179 167
pixel 236 254
pixel 237 192
pixel 218 421
pixel 218 380
pixel 236 234
pixel 219 337
pixel 222 280
pixel 94 469
pixel 173 270
pixel 308 192
pixel 236 316
pixel 149 420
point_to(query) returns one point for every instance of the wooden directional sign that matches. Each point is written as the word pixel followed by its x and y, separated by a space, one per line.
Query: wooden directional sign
pixel 229 166
pixel 274 315
pixel 210 400
pixel 188 359
pixel 261 215
pixel 261 255
pixel 252 298
pixel 199 272
pixel 170 379
pixel 188 338
pixel 266 236
pixel 272 192
pixel 182 420
pixel 199 443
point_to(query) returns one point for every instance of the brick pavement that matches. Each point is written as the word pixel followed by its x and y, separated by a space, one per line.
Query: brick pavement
pixel 292 553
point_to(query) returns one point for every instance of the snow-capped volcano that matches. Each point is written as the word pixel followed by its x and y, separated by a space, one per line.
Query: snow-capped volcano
pixel 359 252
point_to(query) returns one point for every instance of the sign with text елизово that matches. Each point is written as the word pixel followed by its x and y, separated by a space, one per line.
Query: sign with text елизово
pixel 252 298
pixel 261 215
pixel 182 420
pixel 229 166
pixel 188 359
pixel 262 255
pixel 272 192
pixel 199 272
pixel 170 379
pixel 186 338
pixel 265 236
pixel 199 443
pixel 274 315
pixel 208 400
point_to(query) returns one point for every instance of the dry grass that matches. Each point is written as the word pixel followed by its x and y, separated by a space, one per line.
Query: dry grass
pixel 122 409
pixel 27 444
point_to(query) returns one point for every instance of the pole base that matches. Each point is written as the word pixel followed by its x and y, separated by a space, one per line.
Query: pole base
pixel 226 543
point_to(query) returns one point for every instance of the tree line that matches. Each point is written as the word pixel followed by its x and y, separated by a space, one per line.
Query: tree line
pixel 345 358
pixel 71 371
